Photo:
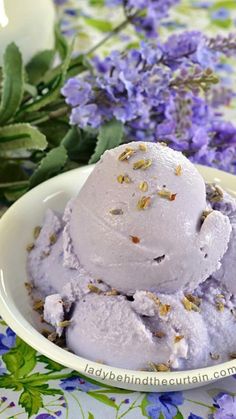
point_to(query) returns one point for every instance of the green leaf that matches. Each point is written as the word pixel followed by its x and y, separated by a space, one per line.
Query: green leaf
pixel 103 399
pixel 31 401
pixel 101 25
pixel 79 144
pixel 32 90
pixel 11 174
pixel 39 65
pixel 52 88
pixel 161 416
pixel 144 405
pixel 44 388
pixel 21 136
pixel 54 130
pixel 96 2
pixel 113 390
pixel 226 4
pixel 13 83
pixel 20 360
pixel 61 43
pixel 224 24
pixel 178 415
pixel 49 165
pixel 7 381
pixel 50 364
pixel 90 415
pixel 110 136
pixel 15 192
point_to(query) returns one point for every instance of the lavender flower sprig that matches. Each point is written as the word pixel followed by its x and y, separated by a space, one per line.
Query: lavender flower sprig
pixel 159 92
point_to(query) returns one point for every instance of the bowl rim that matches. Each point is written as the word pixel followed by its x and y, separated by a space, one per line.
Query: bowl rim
pixel 11 314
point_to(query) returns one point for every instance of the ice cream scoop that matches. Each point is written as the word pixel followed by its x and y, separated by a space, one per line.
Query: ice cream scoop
pixel 218 310
pixel 141 222
pixel 108 329
pixel 227 205
pixel 45 263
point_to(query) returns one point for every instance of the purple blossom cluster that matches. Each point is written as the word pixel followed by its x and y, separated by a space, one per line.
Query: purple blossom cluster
pixel 161 92
pixel 145 15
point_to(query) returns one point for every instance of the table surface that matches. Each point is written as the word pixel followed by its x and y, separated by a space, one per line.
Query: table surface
pixel 32 383
pixel 33 386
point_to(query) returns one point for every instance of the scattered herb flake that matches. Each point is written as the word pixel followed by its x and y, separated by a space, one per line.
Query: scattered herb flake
pixel 30 247
pixel 29 286
pixel 126 154
pixel 116 211
pixel 178 170
pixel 220 306
pixel 205 214
pixel 64 323
pixel 144 203
pixel 36 232
pixel 53 238
pixel 159 367
pixel 159 334
pixel 153 297
pixel 38 305
pixel 94 289
pixel 135 239
pixel 187 304
pixel 120 178
pixel 167 195
pixel 113 291
pixel 142 164
pixel 214 356
pixel 193 299
pixel 143 147
pixel 164 309
pixel 178 338
pixel 143 186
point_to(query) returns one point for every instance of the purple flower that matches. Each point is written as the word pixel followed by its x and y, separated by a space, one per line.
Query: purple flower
pixel 226 406
pixel 45 416
pixel 76 91
pixel 163 403
pixel 2 372
pixel 192 416
pixel 7 341
pixel 220 14
pixel 145 15
pixel 86 116
pixel 224 45
pixel 77 383
pixel 155 91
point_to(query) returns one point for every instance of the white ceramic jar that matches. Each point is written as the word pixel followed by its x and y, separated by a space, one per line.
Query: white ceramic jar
pixel 29 23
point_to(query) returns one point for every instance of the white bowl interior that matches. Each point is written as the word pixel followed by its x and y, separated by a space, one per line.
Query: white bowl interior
pixel 16 227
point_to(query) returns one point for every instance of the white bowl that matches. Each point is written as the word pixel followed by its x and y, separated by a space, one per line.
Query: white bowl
pixel 16 228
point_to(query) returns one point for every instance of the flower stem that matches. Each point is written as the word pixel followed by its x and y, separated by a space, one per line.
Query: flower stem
pixel 199 403
pixel 114 32
pixel 77 400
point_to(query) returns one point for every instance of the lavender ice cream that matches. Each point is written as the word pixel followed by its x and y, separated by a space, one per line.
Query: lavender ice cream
pixel 133 270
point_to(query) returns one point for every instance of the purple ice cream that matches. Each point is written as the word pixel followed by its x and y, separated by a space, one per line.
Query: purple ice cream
pixel 138 222
pixel 128 263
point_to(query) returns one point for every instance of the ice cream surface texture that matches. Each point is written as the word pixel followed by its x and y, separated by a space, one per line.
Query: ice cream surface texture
pixel 135 272
pixel 137 222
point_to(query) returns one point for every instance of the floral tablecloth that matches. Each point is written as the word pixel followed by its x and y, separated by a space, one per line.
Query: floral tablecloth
pixel 32 385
